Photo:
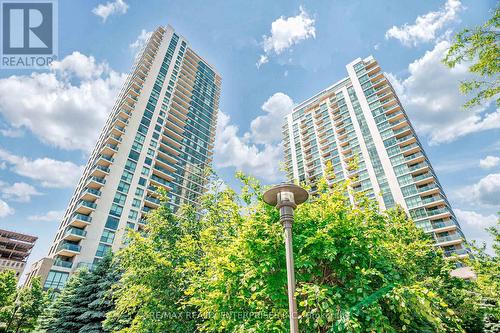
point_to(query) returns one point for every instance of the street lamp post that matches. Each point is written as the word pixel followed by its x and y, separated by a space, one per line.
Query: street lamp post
pixel 286 197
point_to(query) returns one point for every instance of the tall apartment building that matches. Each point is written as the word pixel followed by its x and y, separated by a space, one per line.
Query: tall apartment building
pixel 361 117
pixel 159 134
pixel 15 249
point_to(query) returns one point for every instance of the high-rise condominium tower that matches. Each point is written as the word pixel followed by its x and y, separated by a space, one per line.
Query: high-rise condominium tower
pixel 160 133
pixel 361 116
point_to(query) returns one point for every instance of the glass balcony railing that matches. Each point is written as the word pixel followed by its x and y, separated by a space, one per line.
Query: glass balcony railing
pixel 438 225
pixel 448 238
pixel 76 232
pixel 458 252
pixel 437 211
pixel 82 217
pixel 63 263
pixel 99 180
pixel 427 187
pixel 70 247
pixel 88 204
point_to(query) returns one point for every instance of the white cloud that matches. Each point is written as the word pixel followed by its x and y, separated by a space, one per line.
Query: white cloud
pixel 489 162
pixel 286 32
pixel 426 27
pixel 473 225
pixel 12 132
pixel 65 107
pixel 19 191
pixel 262 60
pixel 267 128
pixel 5 209
pixel 110 8
pixel 431 97
pixel 50 216
pixel 486 192
pixel 376 47
pixel 234 151
pixel 140 41
pixel 49 172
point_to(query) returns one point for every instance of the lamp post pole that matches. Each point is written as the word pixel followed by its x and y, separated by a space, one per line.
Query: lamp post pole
pixel 286 197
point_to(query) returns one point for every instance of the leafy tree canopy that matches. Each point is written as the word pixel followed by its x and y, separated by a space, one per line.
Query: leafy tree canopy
pixel 479 46
pixel 358 269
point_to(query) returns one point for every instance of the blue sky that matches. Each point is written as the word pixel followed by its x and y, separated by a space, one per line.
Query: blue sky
pixel 50 119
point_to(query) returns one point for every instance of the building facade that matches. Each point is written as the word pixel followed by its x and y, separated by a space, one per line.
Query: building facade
pixel 15 249
pixel 159 134
pixel 361 118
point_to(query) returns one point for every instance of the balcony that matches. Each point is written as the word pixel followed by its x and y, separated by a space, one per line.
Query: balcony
pixel 155 202
pixel 442 226
pixel 418 167
pixel 68 249
pixel 99 170
pixel 161 182
pixel 95 182
pixel 438 213
pixel 74 234
pixel 63 263
pixel 459 253
pixel 114 139
pixel 449 240
pixel 433 201
pixel 90 194
pixel 109 149
pixel 85 207
pixel 80 220
pixel 423 178
pixel 427 189
pixel 105 160
pixel 117 130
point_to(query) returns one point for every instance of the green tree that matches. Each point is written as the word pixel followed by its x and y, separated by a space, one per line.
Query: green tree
pixel 84 301
pixel 479 46
pixel 486 287
pixel 97 295
pixel 223 270
pixel 62 315
pixel 358 270
pixel 27 307
pixel 157 268
pixel 8 284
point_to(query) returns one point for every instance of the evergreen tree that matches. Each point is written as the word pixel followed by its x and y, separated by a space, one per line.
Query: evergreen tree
pixel 98 295
pixel 62 315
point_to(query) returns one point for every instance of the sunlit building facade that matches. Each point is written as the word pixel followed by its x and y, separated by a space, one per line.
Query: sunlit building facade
pixel 159 134
pixel 361 118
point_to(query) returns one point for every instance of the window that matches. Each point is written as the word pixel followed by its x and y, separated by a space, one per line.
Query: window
pixel 127 176
pixel 112 222
pixel 137 146
pixel 120 198
pixel 133 215
pixel 151 152
pixel 130 165
pixel 56 280
pixel 136 203
pixel 116 210
pixel 102 250
pixel 123 187
pixel 134 155
pixel 142 181
pixel 139 192
pixel 107 236
pixel 145 171
pixel 139 138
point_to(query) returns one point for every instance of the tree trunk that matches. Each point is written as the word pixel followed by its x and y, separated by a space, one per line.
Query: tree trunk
pixel 19 324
